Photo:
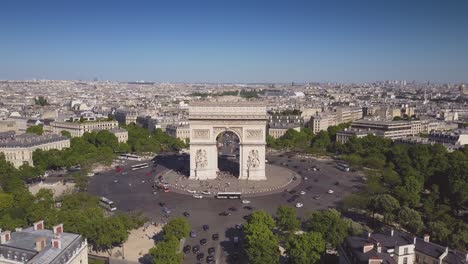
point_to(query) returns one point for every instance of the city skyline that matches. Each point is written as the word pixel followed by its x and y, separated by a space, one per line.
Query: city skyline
pixel 242 42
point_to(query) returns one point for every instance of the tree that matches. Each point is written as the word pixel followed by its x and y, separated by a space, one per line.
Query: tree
pixel 38 130
pixel 40 100
pixel 178 227
pixel 286 219
pixel 440 231
pixel 261 244
pixel 165 251
pixel 6 201
pixel 65 133
pixel 330 224
pixel 306 248
pixel 410 219
pixel 384 204
pixel 409 193
pixel 260 217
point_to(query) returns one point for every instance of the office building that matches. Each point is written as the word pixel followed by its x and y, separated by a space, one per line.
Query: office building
pixel 387 129
pixel 178 131
pixel 322 121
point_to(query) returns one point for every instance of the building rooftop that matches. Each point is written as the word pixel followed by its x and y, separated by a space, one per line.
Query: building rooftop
pixel 23 246
pixel 30 140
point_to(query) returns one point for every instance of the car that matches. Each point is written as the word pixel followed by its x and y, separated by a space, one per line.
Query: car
pixel 162 204
pixel 292 192
pixel 305 178
pixel 330 191
pixel 238 226
pixel 203 241
pixel 155 192
pixel 302 192
pixel 315 180
pixel 166 210
pixel 316 197
pixel 200 256
pixel 187 249
pixel 193 234
pixel 295 196
pixel 247 207
pixel 299 205
pixel 245 201
pixel 211 251
pixel 115 180
pixel 337 183
pixel 206 227
pixel 236 240
pixel 225 214
pixel 195 249
pixel 124 173
pixel 309 188
pixel 233 209
pixel 191 191
pixel 247 217
pixel 210 259
pixel 290 200
pixel 206 192
pixel 215 236
pixel 197 196
pixel 186 214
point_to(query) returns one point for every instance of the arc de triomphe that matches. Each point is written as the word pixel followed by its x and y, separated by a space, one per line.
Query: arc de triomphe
pixel 209 119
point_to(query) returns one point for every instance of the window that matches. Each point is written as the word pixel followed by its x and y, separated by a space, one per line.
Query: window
pixel 405 260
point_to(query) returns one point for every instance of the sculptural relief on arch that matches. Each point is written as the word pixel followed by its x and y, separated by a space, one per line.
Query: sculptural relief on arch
pixel 246 120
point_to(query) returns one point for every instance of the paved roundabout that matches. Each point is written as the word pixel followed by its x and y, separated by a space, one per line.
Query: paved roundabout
pixel 132 191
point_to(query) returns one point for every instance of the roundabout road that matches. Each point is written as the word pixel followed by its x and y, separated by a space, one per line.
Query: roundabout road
pixel 133 192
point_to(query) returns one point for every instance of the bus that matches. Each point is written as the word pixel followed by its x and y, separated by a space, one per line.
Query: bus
pixel 140 166
pixel 107 204
pixel 230 195
pixel 129 157
pixel 342 166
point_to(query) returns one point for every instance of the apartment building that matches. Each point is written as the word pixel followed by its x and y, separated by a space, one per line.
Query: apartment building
pixel 322 121
pixel 126 117
pixel 387 129
pixel 19 150
pixel 277 131
pixel 8 125
pixel 77 129
pixel 37 245
pixel 348 114
pixel 392 246
pixel 147 122
pixel 457 137
pixel 179 131
pixel 121 134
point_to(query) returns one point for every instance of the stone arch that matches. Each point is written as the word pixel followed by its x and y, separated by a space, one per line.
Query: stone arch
pixel 246 120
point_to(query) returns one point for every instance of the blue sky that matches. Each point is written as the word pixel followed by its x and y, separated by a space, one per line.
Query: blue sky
pixel 235 41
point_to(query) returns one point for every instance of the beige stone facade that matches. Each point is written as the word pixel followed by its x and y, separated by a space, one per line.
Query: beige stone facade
pixel 180 132
pixel 78 129
pixel 246 120
pixel 322 121
pixel 8 125
pixel 277 132
pixel 20 150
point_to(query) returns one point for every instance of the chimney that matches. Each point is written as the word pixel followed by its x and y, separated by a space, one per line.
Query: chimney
pixel 391 232
pixel 56 242
pixel 39 225
pixel 426 238
pixel 367 248
pixel 58 229
pixel 379 248
pixel 414 240
pixel 369 234
pixel 5 236
pixel 40 244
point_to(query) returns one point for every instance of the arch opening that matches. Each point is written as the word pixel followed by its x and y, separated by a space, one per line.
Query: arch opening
pixel 228 147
